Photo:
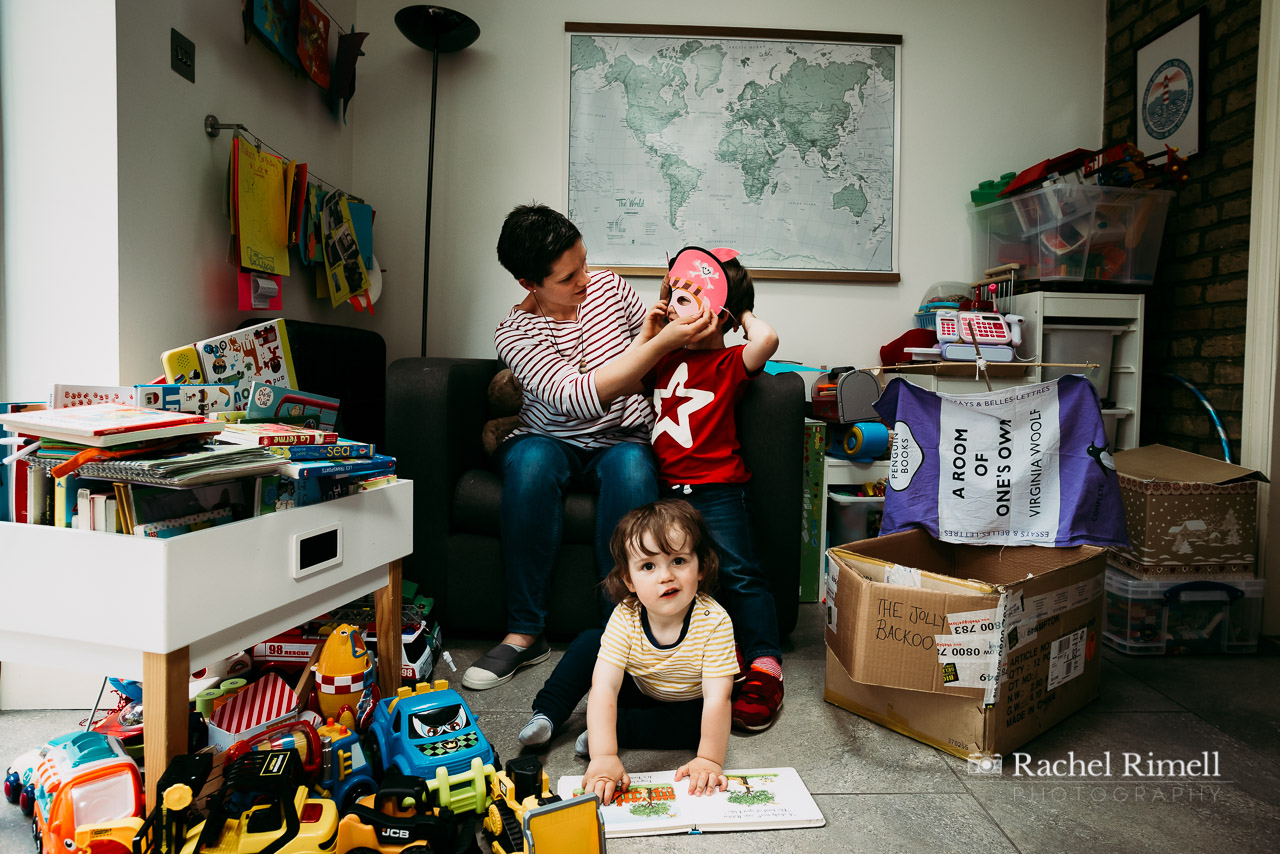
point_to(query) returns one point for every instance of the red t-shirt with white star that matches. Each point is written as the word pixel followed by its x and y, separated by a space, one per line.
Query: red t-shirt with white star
pixel 695 436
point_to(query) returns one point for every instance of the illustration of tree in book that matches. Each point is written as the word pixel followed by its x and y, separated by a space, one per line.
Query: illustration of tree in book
pixel 744 789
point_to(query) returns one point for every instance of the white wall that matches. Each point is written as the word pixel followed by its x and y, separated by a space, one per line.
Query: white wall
pixel 986 87
pixel 61 272
pixel 176 284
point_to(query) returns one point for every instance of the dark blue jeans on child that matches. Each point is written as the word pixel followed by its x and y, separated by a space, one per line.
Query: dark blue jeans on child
pixel 643 722
pixel 743 590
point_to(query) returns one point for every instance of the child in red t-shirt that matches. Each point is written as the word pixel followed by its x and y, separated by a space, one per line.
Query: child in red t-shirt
pixel 695 439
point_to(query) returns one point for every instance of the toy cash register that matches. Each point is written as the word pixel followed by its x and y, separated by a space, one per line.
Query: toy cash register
pixel 996 336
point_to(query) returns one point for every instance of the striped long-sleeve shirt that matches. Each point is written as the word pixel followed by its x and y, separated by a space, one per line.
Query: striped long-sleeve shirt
pixel 544 354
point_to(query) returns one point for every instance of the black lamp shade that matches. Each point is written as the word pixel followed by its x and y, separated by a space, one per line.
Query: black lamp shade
pixel 436 28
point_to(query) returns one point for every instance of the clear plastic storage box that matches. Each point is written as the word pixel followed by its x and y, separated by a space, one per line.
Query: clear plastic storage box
pixel 1182 615
pixel 1073 232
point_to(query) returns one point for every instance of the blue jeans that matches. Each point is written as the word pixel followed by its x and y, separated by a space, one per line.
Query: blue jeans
pixel 643 722
pixel 537 472
pixel 743 590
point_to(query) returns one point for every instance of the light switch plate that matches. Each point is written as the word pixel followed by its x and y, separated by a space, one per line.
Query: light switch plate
pixel 182 55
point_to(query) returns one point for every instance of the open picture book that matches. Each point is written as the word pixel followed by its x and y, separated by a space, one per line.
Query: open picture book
pixel 757 799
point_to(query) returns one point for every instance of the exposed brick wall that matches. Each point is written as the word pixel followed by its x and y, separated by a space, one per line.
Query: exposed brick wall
pixel 1196 310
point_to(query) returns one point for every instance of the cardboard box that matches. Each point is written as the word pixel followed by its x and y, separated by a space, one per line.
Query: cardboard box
pixel 972 649
pixel 1183 510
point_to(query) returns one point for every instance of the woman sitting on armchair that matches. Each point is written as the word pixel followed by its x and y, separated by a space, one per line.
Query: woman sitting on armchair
pixel 571 344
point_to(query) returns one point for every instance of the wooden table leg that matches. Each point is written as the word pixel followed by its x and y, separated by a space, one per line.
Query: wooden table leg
pixel 164 722
pixel 386 608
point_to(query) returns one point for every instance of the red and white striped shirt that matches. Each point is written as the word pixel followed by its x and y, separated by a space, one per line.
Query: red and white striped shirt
pixel 544 354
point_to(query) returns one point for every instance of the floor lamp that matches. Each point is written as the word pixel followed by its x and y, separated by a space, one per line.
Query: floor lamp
pixel 438 30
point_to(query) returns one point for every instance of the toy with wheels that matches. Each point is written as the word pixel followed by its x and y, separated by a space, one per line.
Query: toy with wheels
pixel 261 808
pixel 431 732
pixel 400 817
pixel 525 816
pixel 88 796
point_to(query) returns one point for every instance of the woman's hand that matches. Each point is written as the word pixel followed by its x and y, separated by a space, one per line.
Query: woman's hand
pixel 605 775
pixel 704 776
pixel 687 330
pixel 654 322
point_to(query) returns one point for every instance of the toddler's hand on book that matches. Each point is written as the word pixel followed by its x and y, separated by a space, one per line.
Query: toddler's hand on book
pixel 704 776
pixel 605 776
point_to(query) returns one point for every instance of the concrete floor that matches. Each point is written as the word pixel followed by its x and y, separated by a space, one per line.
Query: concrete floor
pixel 882 792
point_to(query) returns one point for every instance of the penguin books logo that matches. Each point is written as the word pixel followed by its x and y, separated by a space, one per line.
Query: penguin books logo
pixel 905 459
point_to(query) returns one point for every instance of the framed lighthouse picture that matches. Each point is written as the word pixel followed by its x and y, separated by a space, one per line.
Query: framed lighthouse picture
pixel 1170 89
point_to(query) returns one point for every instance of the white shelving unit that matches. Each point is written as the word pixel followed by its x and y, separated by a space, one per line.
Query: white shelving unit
pixel 1063 325
pixel 129 606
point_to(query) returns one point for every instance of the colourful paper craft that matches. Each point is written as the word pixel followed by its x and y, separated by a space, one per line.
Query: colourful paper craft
pixel 276 23
pixel 697 278
pixel 345 268
pixel 362 224
pixel 261 221
pixel 313 42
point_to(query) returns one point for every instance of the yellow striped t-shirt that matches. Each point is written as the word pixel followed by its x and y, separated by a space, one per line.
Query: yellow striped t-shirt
pixel 674 673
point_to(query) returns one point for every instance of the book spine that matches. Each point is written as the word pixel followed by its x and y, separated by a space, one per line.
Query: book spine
pixel 379 463
pixel 292 439
pixel 84 515
pixel 21 476
pixel 336 451
pixel 64 501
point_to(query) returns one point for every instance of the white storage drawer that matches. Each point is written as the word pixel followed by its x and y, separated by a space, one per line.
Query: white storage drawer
pixel 96 601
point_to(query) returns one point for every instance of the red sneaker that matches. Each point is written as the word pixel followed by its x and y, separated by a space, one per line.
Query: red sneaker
pixel 741 675
pixel 758 701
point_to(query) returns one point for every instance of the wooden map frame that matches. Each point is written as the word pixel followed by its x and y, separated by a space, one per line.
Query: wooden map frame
pixel 818 274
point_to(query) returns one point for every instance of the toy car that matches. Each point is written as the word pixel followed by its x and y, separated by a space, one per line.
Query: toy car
pixel 126 724
pixel 20 781
pixel 519 820
pixel 88 796
pixel 261 807
pixel 431 731
pixel 400 817
pixel 419 646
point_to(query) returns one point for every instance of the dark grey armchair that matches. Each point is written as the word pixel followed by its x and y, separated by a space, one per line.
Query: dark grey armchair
pixel 436 410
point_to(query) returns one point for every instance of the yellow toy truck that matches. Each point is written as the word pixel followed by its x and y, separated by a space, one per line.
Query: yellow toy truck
pixel 525 817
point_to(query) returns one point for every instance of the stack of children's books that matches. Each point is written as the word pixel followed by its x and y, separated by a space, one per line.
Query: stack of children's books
pixel 226 415
pixel 76 460
pixel 317 465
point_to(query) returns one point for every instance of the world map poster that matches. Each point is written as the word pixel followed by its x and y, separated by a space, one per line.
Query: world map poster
pixel 784 150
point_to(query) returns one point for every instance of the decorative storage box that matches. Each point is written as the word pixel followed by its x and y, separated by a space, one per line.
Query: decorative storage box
pixel 1184 509
pixel 1071 232
pixel 1177 616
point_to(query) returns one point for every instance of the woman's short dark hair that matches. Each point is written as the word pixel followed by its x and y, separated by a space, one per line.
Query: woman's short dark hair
pixel 671 524
pixel 533 237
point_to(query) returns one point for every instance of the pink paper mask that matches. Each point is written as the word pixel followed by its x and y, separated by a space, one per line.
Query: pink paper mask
pixel 697 278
